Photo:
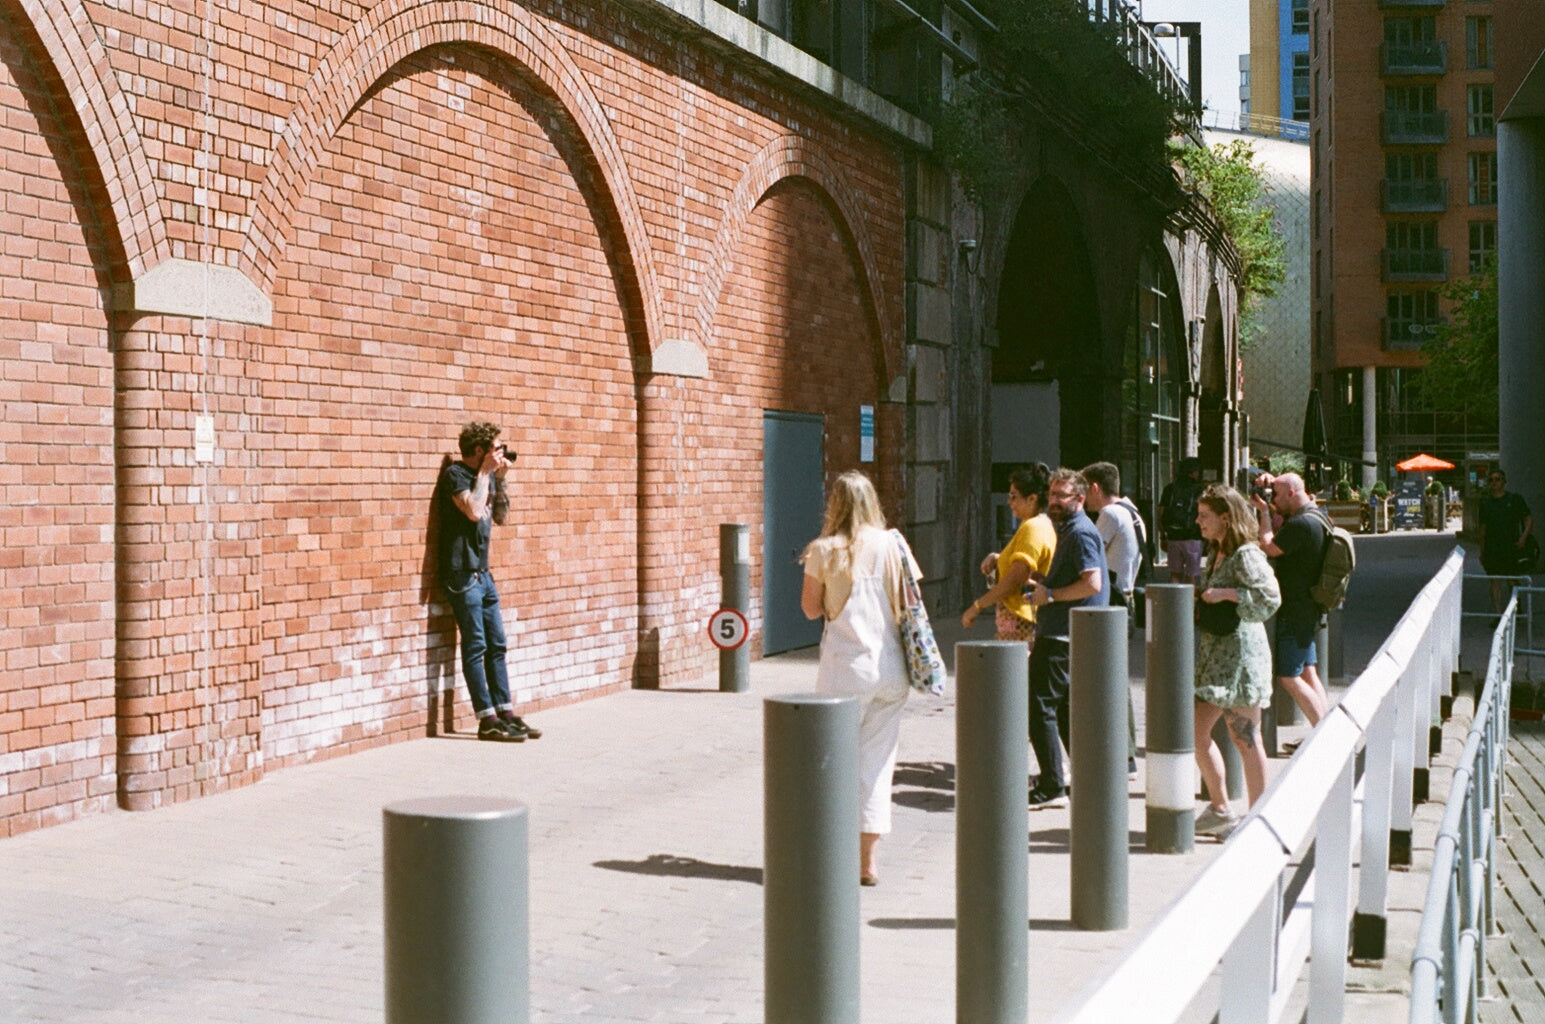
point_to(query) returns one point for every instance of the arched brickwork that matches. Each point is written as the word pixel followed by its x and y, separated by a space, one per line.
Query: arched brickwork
pixel 387 34
pixel 792 156
pixel 107 126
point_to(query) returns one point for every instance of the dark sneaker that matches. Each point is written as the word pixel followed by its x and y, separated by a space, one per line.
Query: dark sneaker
pixel 518 726
pixel 495 730
pixel 1131 769
pixel 1045 799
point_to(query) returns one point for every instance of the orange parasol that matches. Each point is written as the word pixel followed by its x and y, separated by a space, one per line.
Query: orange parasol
pixel 1423 463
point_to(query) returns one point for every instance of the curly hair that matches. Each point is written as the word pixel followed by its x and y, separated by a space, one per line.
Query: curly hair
pixel 1032 482
pixel 476 433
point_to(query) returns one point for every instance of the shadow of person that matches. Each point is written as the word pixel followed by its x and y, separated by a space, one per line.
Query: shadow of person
pixel 439 628
pixel 671 865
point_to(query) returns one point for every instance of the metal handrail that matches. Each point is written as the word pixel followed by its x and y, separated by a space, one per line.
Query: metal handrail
pixel 1233 914
pixel 1448 966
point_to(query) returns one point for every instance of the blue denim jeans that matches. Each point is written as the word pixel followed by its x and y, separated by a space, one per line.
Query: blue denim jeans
pixel 475 603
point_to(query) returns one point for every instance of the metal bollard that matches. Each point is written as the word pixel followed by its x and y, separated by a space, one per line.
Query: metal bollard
pixel 992 944
pixel 810 837
pixel 735 583
pixel 1233 764
pixel 1098 736
pixel 455 909
pixel 1170 659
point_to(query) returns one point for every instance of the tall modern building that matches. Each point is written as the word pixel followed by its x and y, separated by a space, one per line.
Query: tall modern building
pixel 1404 198
pixel 1274 77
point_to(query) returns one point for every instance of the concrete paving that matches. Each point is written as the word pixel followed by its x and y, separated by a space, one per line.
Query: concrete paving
pixel 264 905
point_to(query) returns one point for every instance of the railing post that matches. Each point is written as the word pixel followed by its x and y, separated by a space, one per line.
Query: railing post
pixel 992 942
pixel 1332 893
pixel 1369 923
pixel 1249 968
pixel 1169 732
pixel 454 877
pixel 1098 841
pixel 810 853
pixel 735 581
pixel 1407 735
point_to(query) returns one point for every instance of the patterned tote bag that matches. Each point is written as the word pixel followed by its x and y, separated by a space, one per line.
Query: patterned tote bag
pixel 925 665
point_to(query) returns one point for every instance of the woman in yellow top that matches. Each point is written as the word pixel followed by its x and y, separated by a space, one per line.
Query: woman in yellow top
pixel 1027 557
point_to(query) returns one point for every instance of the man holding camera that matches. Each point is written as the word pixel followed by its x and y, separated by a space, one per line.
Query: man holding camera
pixel 469 497
pixel 1296 549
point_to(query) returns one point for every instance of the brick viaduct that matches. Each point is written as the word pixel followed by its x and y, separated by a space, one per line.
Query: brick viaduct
pixel 257 266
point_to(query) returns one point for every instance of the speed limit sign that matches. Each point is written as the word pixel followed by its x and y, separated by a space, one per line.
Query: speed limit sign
pixel 727 629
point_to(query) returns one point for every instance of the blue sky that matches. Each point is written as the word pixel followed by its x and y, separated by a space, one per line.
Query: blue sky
pixel 1225 35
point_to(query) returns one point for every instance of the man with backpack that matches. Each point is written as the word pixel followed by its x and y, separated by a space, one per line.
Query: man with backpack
pixel 1178 531
pixel 1297 551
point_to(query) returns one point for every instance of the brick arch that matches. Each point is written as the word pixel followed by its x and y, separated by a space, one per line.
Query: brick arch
pixel 394 30
pixel 792 156
pixel 81 62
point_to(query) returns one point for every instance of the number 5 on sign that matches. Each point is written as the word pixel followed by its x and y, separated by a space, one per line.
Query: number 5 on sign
pixel 727 629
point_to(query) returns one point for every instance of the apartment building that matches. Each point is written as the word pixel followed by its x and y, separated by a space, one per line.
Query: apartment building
pixel 1402 115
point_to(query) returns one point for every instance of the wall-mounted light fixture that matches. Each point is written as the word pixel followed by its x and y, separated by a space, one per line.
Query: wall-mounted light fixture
pixel 968 249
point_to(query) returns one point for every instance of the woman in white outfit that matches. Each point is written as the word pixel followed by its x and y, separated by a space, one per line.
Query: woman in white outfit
pixel 853 581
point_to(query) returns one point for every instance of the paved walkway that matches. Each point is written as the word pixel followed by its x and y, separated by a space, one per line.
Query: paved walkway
pixel 1517 954
pixel 264 905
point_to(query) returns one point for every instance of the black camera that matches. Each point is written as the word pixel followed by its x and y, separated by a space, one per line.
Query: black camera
pixel 1247 483
pixel 507 452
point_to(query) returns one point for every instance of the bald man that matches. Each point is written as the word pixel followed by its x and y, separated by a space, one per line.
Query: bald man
pixel 1296 549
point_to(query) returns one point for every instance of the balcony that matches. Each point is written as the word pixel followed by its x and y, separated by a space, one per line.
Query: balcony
pixel 1406 335
pixel 1420 195
pixel 1427 57
pixel 1415 127
pixel 1415 264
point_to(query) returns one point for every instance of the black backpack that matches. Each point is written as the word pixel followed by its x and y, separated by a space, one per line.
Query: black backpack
pixel 1179 512
pixel 1141 529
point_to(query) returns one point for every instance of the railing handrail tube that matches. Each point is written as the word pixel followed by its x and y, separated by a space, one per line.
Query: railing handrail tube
pixel 1209 918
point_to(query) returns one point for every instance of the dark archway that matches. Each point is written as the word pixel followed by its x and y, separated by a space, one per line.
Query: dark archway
pixel 1047 370
pixel 1213 398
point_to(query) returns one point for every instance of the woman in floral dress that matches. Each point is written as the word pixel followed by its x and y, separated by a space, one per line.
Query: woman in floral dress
pixel 1233 666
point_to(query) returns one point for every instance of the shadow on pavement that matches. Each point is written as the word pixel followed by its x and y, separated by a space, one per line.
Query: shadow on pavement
pixel 926 774
pixel 670 865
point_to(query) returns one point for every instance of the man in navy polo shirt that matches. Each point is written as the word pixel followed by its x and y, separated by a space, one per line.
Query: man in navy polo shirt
pixel 1076 580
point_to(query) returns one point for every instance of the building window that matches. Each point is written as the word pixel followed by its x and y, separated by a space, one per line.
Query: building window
pixel 1300 87
pixel 1478 46
pixel 1411 317
pixel 1483 242
pixel 1482 121
pixel 1412 236
pixel 1300 17
pixel 1410 166
pixel 1483 179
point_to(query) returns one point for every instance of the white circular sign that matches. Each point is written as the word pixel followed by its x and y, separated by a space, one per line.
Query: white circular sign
pixel 727 629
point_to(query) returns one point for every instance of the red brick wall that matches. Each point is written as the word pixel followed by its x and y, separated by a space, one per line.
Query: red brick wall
pixel 56 463
pixel 497 212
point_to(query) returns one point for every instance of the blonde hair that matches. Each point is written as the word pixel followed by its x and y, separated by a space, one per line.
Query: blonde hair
pixel 1240 525
pixel 851 506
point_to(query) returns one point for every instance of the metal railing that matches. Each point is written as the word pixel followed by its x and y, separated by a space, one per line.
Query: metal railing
pixel 1415 126
pixel 1418 57
pixel 1414 195
pixel 1448 967
pixel 1414 264
pixel 1265 925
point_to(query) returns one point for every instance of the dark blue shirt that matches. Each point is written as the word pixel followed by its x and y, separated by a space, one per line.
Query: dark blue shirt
pixel 462 543
pixel 1079 549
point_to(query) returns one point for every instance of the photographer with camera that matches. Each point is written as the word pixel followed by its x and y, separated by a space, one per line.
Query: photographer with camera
pixel 1296 548
pixel 469 498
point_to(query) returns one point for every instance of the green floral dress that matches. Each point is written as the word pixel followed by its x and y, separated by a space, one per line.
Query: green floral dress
pixel 1234 671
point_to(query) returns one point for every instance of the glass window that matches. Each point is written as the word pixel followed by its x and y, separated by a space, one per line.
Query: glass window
pixel 1300 17
pixel 1300 87
pixel 1483 242
pixel 1411 235
pixel 1410 166
pixel 1411 316
pixel 1478 42
pixel 1482 121
pixel 1415 99
pixel 1483 179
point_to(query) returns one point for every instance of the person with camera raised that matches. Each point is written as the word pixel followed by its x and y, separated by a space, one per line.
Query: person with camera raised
pixel 469 498
pixel 1296 548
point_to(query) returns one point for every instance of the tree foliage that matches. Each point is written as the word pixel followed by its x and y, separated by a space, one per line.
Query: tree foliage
pixel 1462 373
pixel 1228 178
pixel 1048 57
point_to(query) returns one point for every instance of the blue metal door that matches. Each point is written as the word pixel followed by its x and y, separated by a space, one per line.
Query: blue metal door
pixel 793 501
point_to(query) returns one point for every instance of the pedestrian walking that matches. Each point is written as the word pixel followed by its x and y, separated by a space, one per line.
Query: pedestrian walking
pixel 853 581
pixel 1026 558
